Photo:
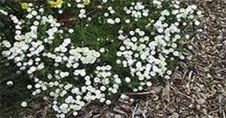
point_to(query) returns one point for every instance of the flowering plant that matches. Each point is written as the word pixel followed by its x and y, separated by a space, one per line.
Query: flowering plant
pixel 76 51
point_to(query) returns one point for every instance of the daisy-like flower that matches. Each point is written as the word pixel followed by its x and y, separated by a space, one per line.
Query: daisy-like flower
pixel 24 104
pixel 69 68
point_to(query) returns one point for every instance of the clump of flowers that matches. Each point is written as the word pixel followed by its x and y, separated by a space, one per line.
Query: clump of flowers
pixel 137 10
pixel 112 46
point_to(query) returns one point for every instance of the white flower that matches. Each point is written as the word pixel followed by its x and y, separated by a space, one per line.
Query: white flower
pixel 127 79
pixel 110 21
pixel 24 104
pixel 6 43
pixel 29 86
pixel 123 96
pixel 34 13
pixel 102 50
pixel 60 11
pixel 75 113
pixel 9 83
pixel 197 23
pixel 58 59
pixel 66 42
pixel 118 81
pixel 3 12
pixel 75 90
pixel 29 16
pixel 106 14
pixel 117 20
pixel 108 102
pixel 103 88
pixel 83 72
pixel 96 80
pixel 102 100
pixel 71 30
pixel 104 1
pixel 149 84
pixel 127 21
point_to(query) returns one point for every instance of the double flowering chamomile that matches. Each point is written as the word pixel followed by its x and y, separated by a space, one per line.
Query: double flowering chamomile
pixel 112 47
